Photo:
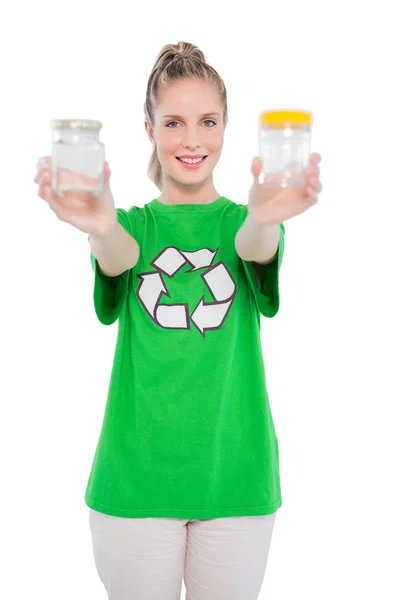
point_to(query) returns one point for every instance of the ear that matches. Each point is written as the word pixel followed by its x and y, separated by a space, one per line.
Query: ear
pixel 149 131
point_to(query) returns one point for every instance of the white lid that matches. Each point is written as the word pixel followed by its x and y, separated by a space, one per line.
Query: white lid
pixel 76 124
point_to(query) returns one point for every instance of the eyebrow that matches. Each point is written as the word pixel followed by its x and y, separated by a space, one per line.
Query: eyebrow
pixel 180 117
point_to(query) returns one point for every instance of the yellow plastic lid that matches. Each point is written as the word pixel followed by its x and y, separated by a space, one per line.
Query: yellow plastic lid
pixel 276 117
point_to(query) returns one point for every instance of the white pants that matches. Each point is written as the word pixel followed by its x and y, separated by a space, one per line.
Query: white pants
pixel 146 559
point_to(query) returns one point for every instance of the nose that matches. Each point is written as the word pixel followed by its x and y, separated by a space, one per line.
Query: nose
pixel 191 139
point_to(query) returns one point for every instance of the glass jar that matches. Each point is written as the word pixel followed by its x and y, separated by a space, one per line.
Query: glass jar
pixel 77 156
pixel 285 143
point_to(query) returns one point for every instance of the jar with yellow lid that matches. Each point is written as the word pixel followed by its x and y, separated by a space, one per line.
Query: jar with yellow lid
pixel 284 144
pixel 77 156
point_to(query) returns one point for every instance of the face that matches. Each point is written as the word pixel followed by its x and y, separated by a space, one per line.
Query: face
pixel 189 131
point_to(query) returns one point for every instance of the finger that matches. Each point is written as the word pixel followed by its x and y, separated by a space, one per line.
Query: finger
pixel 45 190
pixel 275 178
pixel 54 203
pixel 59 210
pixel 256 167
pixel 75 179
pixel 63 202
pixel 107 173
pixel 43 165
pixel 107 170
pixel 315 158
pixel 46 193
pixel 312 194
pixel 313 171
pixel 315 183
pixel 41 177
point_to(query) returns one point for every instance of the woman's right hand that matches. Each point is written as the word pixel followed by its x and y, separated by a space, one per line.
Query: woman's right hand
pixel 91 214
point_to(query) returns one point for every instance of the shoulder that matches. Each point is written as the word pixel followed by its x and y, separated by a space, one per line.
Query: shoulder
pixel 237 211
pixel 129 218
pixel 241 212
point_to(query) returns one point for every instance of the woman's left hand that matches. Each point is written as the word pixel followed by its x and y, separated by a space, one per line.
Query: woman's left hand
pixel 269 204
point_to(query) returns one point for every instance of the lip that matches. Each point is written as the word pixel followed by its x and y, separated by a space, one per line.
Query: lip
pixel 191 155
pixel 193 166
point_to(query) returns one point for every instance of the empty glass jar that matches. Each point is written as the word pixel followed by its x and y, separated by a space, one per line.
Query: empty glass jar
pixel 284 143
pixel 77 156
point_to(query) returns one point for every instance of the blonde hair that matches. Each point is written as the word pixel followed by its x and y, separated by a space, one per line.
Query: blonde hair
pixel 173 63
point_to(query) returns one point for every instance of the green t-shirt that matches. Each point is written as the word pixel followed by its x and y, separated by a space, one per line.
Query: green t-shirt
pixel 187 430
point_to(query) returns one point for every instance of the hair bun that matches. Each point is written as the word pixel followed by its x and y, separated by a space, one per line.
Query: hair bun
pixel 175 52
pixel 180 54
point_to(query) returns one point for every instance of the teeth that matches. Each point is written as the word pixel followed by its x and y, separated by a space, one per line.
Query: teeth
pixel 190 160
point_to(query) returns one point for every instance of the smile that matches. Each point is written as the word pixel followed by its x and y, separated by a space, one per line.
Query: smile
pixel 193 165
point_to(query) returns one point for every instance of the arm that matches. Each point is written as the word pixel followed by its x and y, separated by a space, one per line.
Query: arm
pixel 115 252
pixel 258 243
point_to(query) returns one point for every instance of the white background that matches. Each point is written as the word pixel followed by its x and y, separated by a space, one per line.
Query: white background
pixel 331 353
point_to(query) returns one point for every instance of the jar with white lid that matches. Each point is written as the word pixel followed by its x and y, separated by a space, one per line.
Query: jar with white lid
pixel 284 144
pixel 77 156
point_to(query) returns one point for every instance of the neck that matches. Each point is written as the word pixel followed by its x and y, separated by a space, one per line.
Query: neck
pixel 174 192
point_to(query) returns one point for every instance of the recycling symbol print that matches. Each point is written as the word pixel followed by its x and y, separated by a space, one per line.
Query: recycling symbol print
pixel 206 315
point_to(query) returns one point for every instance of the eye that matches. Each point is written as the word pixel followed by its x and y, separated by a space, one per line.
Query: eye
pixel 206 121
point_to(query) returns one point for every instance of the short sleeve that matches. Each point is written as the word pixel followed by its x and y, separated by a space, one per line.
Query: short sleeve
pixel 264 280
pixel 110 293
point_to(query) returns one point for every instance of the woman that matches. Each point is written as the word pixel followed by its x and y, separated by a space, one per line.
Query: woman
pixel 185 479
